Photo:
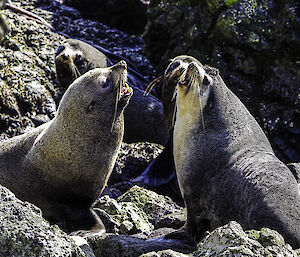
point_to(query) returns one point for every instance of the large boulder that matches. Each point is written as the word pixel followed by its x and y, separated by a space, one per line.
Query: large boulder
pixel 24 232
pixel 255 44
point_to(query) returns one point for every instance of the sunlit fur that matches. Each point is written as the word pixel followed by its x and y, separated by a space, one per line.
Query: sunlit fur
pixel 190 93
pixel 122 82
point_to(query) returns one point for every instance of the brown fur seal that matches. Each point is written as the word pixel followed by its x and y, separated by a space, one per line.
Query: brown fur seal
pixel 62 166
pixel 144 119
pixel 225 165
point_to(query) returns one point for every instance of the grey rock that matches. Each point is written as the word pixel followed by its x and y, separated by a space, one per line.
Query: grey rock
pixel 24 232
pixel 128 218
pixel 232 240
pixel 84 246
pixel 161 210
pixel 132 160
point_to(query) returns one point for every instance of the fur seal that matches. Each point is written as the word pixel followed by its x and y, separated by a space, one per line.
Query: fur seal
pixel 225 165
pixel 162 169
pixel 62 166
pixel 144 118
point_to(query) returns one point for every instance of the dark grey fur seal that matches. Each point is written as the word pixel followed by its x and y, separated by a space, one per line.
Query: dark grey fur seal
pixel 225 165
pixel 62 166
pixel 144 119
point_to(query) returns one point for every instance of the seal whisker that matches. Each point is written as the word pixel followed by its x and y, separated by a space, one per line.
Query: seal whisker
pixel 152 85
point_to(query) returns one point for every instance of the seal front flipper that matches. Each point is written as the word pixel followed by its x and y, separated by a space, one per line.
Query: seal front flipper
pixel 161 170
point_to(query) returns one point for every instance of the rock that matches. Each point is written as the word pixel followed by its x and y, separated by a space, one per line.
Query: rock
pixel 128 218
pixel 120 14
pixel 255 44
pixel 139 210
pixel 27 85
pixel 231 240
pixel 24 232
pixel 132 160
pixel 84 246
pixel 161 210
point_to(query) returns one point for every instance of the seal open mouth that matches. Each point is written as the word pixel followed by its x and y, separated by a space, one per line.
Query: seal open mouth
pixel 125 91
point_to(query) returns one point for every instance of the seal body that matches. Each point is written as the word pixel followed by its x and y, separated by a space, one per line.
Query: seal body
pixel 225 165
pixel 144 118
pixel 63 165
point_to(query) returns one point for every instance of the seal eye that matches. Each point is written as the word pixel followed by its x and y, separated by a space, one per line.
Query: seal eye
pixel 108 83
pixel 60 49
pixel 174 66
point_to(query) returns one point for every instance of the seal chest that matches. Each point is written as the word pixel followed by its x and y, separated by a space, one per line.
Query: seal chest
pixel 67 161
pixel 225 165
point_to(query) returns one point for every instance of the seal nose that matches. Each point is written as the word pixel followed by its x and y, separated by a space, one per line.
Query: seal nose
pixel 192 66
pixel 120 65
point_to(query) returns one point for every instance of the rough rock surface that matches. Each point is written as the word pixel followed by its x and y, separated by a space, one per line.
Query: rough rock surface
pixel 119 14
pixel 231 240
pixel 140 210
pixel 24 232
pixel 256 46
pixel 161 210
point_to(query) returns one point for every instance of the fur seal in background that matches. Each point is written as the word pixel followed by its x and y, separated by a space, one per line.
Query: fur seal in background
pixel 225 165
pixel 162 169
pixel 63 165
pixel 144 118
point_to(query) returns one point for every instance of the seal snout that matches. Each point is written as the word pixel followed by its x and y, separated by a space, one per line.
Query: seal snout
pixel 122 65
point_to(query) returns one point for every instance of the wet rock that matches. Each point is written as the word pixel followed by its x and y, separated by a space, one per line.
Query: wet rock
pixel 231 240
pixel 255 44
pixel 119 14
pixel 24 232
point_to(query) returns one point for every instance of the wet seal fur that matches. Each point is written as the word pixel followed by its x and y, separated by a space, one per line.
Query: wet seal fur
pixel 144 119
pixel 225 165
pixel 63 165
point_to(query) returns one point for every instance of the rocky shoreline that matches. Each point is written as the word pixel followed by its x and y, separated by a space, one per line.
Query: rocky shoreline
pixel 135 217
